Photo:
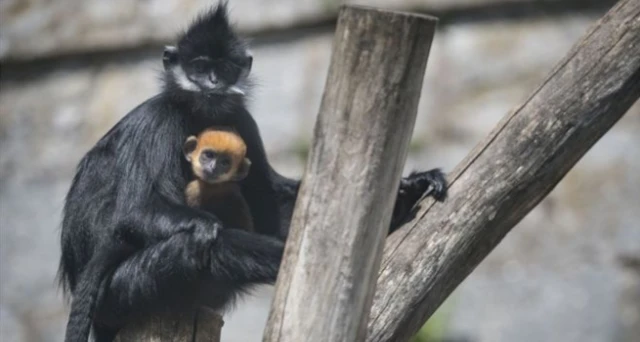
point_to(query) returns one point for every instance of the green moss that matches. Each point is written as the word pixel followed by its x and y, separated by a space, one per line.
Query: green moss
pixel 330 6
pixel 300 148
pixel 435 329
pixel 417 144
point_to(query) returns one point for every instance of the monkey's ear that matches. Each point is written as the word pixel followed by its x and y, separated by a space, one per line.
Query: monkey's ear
pixel 243 169
pixel 189 146
pixel 169 57
pixel 249 60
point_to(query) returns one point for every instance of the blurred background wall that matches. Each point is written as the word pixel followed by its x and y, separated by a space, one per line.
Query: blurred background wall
pixel 72 68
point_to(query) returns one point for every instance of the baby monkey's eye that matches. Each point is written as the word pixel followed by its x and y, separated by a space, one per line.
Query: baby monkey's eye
pixel 225 162
pixel 209 154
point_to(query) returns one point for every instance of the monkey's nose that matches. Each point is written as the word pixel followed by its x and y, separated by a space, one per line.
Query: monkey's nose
pixel 208 166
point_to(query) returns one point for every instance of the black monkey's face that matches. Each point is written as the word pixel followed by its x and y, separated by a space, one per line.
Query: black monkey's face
pixel 210 75
pixel 210 58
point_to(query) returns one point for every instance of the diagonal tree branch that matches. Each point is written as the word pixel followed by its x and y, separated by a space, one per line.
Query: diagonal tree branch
pixel 508 174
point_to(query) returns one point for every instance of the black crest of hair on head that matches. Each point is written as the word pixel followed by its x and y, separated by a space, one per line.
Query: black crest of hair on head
pixel 212 35
pixel 209 59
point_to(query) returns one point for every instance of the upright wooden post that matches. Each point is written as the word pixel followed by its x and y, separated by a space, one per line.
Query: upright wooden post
pixel 344 206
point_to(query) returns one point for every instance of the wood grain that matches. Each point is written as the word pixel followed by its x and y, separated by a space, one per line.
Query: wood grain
pixel 344 206
pixel 508 174
pixel 202 326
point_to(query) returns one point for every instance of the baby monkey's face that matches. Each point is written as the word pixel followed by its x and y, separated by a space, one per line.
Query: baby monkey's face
pixel 217 156
pixel 214 166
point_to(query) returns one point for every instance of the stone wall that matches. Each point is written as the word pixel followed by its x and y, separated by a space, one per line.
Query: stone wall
pixel 554 278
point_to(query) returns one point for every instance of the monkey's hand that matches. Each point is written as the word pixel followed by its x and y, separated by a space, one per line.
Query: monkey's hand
pixel 415 187
pixel 203 234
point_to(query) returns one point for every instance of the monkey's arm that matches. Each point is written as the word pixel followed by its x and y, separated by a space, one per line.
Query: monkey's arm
pixel 412 188
pixel 260 187
pixel 150 196
pixel 287 193
pixel 285 190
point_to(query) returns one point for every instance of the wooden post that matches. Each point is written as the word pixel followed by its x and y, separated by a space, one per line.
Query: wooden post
pixel 508 174
pixel 344 206
pixel 202 326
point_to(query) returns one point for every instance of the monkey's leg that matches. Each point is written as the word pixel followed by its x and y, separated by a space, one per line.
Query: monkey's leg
pixel 168 275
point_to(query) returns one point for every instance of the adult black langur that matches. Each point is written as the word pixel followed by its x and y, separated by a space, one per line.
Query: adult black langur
pixel 172 256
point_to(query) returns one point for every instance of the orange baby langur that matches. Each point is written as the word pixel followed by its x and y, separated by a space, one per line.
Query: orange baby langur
pixel 217 158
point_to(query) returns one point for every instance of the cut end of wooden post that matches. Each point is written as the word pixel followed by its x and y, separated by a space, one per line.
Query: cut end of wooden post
pixel 395 12
pixel 203 325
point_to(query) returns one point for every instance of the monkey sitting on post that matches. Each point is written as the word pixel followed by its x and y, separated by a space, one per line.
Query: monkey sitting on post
pixel 217 158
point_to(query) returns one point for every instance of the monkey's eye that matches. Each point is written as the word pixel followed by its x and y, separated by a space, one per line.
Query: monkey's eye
pixel 224 162
pixel 199 65
pixel 209 154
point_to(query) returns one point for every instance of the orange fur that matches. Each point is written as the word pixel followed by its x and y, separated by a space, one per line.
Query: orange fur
pixel 224 141
pixel 220 196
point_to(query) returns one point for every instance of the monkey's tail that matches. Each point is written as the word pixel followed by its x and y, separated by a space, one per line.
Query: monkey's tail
pixel 90 290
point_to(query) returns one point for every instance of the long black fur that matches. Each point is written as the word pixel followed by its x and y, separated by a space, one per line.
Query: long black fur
pixel 135 177
pixel 90 290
